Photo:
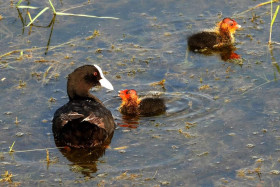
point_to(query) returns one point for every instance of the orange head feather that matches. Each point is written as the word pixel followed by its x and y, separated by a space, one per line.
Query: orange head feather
pixel 129 96
pixel 228 25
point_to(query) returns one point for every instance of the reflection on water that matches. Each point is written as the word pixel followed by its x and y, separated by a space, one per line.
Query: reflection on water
pixel 129 121
pixel 226 54
pixel 86 159
pixel 50 25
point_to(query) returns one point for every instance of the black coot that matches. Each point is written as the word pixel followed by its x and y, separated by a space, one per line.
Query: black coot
pixel 84 121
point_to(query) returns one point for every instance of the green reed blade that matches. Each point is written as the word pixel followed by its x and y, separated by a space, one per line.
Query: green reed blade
pixel 30 7
pixel 39 14
pixel 18 3
pixel 83 15
pixel 52 7
pixel 11 148
pixel 275 15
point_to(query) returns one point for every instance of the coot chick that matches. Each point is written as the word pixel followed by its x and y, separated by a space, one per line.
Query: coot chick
pixel 216 39
pixel 134 106
pixel 84 121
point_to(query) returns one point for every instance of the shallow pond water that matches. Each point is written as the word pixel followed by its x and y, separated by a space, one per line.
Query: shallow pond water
pixel 221 127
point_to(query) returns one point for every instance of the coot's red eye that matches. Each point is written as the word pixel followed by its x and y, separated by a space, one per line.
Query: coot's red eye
pixel 95 73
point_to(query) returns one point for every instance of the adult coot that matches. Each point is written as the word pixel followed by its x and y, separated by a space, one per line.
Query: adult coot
pixel 84 121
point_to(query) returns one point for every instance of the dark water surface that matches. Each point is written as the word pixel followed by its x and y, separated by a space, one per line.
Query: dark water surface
pixel 226 135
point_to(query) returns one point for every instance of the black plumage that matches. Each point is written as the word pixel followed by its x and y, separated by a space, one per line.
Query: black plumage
pixel 203 40
pixel 84 121
pixel 152 106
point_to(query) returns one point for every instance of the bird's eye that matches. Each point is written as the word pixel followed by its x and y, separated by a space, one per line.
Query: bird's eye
pixel 95 73
pixel 231 24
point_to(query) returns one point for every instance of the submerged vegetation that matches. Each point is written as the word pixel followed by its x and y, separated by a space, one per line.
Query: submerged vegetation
pixel 62 13
pixel 221 126
pixel 272 15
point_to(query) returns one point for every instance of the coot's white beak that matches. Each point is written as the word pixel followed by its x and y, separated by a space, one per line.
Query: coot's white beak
pixel 106 84
pixel 103 81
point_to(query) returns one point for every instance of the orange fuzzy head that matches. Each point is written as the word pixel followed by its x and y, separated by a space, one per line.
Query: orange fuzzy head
pixel 130 102
pixel 228 24
pixel 129 96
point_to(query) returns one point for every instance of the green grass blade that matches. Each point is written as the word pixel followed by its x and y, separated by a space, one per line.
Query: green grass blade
pixel 52 7
pixel 271 8
pixel 39 14
pixel 84 15
pixel 18 3
pixel 11 148
pixel 29 15
pixel 30 7
pixel 275 15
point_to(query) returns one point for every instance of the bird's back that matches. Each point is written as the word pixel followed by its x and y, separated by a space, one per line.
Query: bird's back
pixel 82 123
pixel 203 40
pixel 151 106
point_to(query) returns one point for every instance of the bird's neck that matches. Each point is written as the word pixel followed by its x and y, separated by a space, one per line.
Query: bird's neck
pixel 226 35
pixel 80 93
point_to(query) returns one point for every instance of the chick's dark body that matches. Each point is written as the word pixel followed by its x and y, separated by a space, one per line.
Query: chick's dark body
pixel 203 40
pixel 152 106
